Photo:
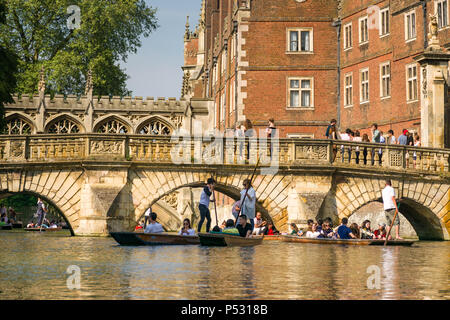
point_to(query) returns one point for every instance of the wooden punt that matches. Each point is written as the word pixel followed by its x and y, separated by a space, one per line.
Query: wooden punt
pixel 358 242
pixel 219 239
pixel 6 227
pixel 272 238
pixel 244 242
pixel 43 229
pixel 153 239
pixel 17 225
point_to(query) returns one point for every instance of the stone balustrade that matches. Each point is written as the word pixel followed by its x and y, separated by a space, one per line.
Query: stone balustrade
pixel 227 151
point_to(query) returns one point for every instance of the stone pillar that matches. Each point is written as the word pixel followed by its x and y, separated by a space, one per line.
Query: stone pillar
pixel 434 71
pixel 103 207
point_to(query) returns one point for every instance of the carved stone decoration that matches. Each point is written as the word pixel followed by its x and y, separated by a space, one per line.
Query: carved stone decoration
pixel 395 158
pixel 186 87
pixel 113 126
pixel 16 150
pixel 311 153
pixel 177 120
pixel 89 84
pixel 106 147
pixel 172 199
pixel 424 82
pixel 433 41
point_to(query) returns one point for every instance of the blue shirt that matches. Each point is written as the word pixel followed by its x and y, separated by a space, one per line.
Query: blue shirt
pixel 344 232
pixel 403 140
pixel 205 196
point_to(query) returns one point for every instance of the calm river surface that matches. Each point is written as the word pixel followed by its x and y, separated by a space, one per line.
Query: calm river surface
pixel 33 266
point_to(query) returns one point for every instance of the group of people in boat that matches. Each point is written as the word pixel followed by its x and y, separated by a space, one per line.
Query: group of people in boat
pixel 8 216
pixel 243 211
pixel 324 229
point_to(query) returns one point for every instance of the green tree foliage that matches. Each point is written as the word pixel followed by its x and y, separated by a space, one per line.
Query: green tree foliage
pixel 37 30
pixel 8 69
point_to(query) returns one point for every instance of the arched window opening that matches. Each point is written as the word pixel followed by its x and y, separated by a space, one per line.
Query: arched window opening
pixel 17 126
pixel 63 126
pixel 156 127
pixel 113 126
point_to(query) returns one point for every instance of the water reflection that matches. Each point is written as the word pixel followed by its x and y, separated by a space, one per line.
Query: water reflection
pixel 34 266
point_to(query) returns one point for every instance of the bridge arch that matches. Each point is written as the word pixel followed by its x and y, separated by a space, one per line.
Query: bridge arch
pixel 6 194
pixel 148 187
pixel 60 187
pixel 424 204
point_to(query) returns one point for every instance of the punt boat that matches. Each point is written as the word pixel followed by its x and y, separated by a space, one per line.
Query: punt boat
pixel 17 225
pixel 43 229
pixel 219 239
pixel 6 227
pixel 357 242
pixel 272 237
pixel 153 239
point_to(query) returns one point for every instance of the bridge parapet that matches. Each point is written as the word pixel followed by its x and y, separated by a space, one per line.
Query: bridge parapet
pixel 226 151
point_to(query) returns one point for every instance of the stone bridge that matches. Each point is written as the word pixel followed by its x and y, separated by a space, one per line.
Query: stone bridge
pixel 105 182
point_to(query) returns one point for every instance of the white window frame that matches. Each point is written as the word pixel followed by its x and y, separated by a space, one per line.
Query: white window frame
pixel 445 13
pixel 348 87
pixel 383 77
pixel 299 32
pixel 289 89
pixel 348 26
pixel 366 18
pixel 388 31
pixel 408 79
pixel 407 33
pixel 361 86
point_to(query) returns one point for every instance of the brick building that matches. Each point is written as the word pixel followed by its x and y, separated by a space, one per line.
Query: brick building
pixel 303 62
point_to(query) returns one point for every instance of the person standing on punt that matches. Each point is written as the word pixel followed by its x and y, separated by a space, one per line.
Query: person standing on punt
pixel 147 216
pixel 390 208
pixel 248 205
pixel 41 210
pixel 153 226
pixel 205 199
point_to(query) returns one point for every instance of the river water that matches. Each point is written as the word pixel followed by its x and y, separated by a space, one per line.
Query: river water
pixel 34 266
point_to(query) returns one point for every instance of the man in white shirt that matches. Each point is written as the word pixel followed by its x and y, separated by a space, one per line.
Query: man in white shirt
pixel 153 226
pixel 390 208
pixel 147 216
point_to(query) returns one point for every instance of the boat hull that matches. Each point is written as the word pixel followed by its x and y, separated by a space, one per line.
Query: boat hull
pixel 43 229
pixel 357 242
pixel 272 238
pixel 228 240
pixel 153 239
pixel 7 227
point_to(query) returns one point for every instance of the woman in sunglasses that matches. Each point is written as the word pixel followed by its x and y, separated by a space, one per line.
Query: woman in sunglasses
pixel 187 229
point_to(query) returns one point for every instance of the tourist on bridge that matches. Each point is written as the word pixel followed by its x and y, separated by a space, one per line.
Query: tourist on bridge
pixel 403 139
pixel 271 133
pixel 40 212
pixel 391 138
pixel 153 226
pixel 205 199
pixel 187 229
pixel 248 206
pixel 376 138
pixel 328 132
pixel 249 133
pixel 390 208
